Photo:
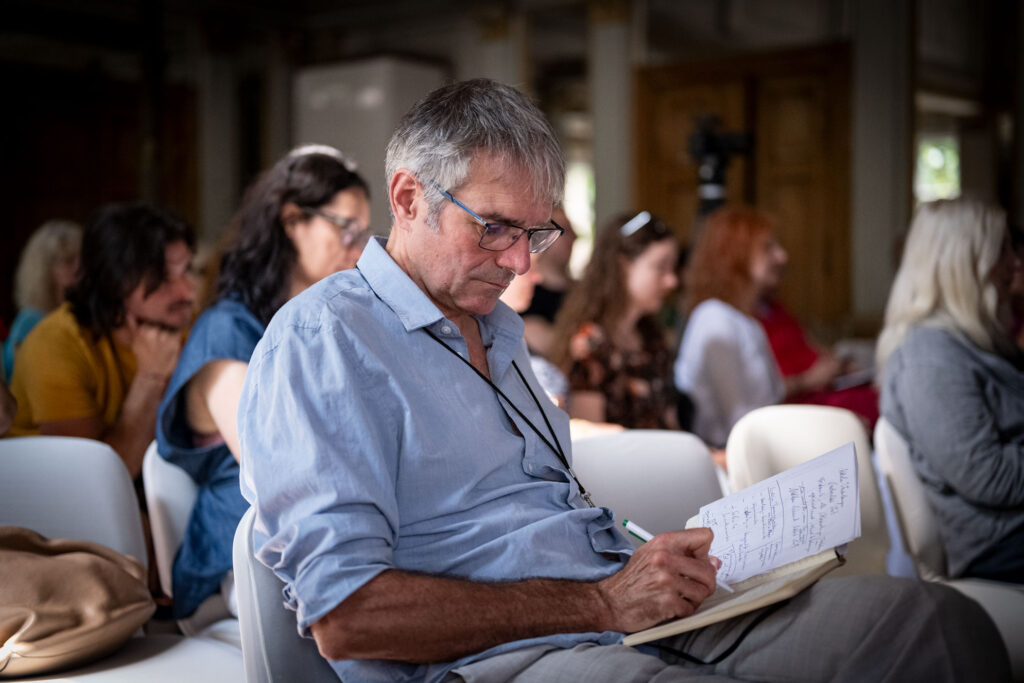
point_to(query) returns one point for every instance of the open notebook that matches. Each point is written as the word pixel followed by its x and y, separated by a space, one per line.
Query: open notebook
pixel 775 538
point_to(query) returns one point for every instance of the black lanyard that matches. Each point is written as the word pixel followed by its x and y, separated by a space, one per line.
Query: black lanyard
pixel 557 447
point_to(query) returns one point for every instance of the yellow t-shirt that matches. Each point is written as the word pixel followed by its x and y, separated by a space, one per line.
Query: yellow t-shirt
pixel 63 371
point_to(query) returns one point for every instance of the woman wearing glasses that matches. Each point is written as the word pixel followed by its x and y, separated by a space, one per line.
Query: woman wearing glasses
pixel 607 336
pixel 304 219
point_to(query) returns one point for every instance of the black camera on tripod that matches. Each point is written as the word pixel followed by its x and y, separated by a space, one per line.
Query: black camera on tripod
pixel 711 149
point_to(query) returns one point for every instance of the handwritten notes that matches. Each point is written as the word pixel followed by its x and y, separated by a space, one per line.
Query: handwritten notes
pixel 800 512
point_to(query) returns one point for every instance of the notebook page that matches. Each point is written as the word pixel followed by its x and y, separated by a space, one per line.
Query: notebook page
pixel 800 512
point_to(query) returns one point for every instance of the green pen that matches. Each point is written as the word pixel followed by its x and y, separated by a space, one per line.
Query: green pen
pixel 644 535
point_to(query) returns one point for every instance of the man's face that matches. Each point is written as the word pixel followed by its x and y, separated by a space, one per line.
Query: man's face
pixel 460 277
pixel 170 304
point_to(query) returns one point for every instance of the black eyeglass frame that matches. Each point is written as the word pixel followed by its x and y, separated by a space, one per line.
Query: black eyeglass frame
pixel 496 229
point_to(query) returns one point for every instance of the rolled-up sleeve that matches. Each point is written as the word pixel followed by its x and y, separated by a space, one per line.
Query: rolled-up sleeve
pixel 319 461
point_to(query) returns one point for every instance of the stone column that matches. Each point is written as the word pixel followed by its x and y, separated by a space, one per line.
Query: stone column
pixel 883 146
pixel 610 82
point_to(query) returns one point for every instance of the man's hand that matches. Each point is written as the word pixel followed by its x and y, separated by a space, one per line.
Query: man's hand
pixel 667 578
pixel 156 348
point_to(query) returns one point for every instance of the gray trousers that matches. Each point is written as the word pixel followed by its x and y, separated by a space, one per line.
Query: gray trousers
pixel 865 628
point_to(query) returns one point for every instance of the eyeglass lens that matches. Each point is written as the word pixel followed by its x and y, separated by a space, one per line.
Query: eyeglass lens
pixel 500 237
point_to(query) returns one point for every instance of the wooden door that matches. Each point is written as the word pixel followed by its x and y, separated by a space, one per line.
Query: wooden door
pixel 795 104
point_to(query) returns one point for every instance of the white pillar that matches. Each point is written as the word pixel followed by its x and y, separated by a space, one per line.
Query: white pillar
pixel 883 135
pixel 610 81
pixel 492 44
pixel 218 145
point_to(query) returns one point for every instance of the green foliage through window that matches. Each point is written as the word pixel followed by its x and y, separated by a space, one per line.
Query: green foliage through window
pixel 937 173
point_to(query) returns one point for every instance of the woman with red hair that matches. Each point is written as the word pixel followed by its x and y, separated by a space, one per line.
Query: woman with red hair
pixel 725 364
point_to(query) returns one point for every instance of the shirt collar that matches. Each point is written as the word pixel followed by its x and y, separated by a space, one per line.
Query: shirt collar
pixel 411 304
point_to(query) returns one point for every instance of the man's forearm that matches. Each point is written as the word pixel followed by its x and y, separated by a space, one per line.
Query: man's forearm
pixel 136 425
pixel 417 618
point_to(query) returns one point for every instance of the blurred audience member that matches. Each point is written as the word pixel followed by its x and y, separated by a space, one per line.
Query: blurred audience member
pixel 725 363
pixel 552 267
pixel 811 371
pixel 97 366
pixel 953 382
pixel 47 267
pixel 304 219
pixel 517 296
pixel 607 335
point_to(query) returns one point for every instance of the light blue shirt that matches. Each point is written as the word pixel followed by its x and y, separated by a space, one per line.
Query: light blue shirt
pixel 366 446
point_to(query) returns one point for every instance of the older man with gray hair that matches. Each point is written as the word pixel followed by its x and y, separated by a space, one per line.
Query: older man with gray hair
pixel 413 483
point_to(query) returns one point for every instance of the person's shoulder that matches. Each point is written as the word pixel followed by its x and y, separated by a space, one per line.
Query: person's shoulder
pixel 715 315
pixel 326 301
pixel 60 325
pixel 927 343
pixel 227 316
pixel 26 319
pixel 333 308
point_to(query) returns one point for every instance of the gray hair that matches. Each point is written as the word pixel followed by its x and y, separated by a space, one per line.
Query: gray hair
pixel 441 135
pixel 944 279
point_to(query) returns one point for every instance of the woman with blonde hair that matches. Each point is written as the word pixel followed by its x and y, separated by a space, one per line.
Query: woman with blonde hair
pixel 607 337
pixel 47 267
pixel 952 382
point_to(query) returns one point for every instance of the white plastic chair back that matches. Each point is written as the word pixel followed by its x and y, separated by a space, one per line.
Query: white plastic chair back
pixel 170 497
pixel 67 487
pixel 1004 602
pixel 272 649
pixel 658 479
pixel 772 439
pixel 918 524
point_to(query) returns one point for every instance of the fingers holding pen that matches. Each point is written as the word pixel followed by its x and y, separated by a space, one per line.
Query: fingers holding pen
pixel 668 577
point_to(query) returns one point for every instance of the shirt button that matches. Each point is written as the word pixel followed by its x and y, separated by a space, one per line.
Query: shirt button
pixel 446 329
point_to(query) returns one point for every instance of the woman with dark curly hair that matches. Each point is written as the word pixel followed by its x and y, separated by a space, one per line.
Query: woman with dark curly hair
pixel 607 336
pixel 304 219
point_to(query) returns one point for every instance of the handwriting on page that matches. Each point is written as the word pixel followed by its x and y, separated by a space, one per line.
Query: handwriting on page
pixel 806 509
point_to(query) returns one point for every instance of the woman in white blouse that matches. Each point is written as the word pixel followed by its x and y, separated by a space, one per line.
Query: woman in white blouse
pixel 725 364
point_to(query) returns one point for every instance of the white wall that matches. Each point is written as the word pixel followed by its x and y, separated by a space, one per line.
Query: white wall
pixel 355 107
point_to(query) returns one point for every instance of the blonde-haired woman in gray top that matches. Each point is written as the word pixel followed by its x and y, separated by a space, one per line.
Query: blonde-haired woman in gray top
pixel 953 382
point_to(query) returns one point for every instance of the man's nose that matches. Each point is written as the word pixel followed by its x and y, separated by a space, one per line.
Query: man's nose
pixel 517 257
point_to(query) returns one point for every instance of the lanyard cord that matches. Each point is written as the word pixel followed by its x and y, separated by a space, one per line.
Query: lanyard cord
pixel 557 451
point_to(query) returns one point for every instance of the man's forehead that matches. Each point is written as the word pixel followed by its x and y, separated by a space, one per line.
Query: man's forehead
pixel 489 169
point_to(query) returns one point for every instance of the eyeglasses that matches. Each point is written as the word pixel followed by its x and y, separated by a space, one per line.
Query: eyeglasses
pixel 501 236
pixel 349 229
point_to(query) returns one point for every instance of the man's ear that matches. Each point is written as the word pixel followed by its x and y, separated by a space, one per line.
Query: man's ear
pixel 406 197
pixel 290 215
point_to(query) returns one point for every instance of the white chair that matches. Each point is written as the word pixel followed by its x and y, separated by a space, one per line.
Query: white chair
pixel 271 646
pixel 659 479
pixel 1004 602
pixel 170 497
pixel 65 487
pixel 772 439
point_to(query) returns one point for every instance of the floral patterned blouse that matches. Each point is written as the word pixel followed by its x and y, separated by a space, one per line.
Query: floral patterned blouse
pixel 637 385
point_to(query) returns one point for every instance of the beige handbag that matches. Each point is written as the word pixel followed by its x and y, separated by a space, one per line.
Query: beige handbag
pixel 65 602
